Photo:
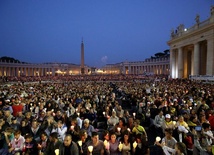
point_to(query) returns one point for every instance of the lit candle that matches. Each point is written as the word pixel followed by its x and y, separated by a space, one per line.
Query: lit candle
pixel 118 129
pixel 158 139
pixel 72 127
pixel 134 114
pixel 80 143
pixel 134 144
pixel 120 146
pixel 56 152
pixel 90 149
pixel 105 143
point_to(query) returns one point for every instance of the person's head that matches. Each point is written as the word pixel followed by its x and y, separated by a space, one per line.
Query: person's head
pixel 7 113
pixel 43 136
pixel 113 113
pixel 193 118
pixel 60 123
pixel 67 140
pixel 126 135
pixel 34 124
pixel 95 137
pixel 136 122
pixel 180 148
pixel 126 113
pixel 168 133
pixel 168 117
pixel 206 126
pixel 131 120
pixel 28 115
pixel 9 131
pixel 121 122
pixel 138 138
pixel 24 123
pixel 86 123
pixel 53 136
pixel 83 135
pixel 113 137
pixel 180 118
pixel 28 138
pixel 74 121
pixel 17 134
pixel 106 135
pixel 160 113
pixel 58 113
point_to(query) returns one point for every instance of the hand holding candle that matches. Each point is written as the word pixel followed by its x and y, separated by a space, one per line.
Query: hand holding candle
pixel 56 152
pixel 134 144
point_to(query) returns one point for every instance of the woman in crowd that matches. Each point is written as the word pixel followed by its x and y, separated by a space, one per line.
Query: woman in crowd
pixel 125 145
pixel 120 127
pixel 142 147
pixel 112 145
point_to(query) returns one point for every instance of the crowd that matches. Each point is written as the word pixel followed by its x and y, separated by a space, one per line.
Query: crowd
pixel 95 116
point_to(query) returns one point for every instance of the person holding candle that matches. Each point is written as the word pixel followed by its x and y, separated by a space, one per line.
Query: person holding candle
pixel 125 144
pixel 180 149
pixel 30 146
pixel 17 144
pixel 120 127
pixel 74 129
pixel 83 142
pixel 53 144
pixel 169 140
pixel 97 145
pixel 140 146
pixel 112 145
pixel 43 143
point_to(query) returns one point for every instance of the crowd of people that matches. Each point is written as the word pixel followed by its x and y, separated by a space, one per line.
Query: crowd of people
pixel 106 115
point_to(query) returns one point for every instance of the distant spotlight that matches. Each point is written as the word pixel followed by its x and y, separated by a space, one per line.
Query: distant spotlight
pixel 185 29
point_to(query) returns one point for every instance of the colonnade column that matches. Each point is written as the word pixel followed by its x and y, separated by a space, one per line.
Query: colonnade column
pixel 196 59
pixel 172 63
pixel 180 63
pixel 210 57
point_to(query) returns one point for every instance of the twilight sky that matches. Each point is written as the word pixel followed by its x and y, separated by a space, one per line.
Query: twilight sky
pixel 113 31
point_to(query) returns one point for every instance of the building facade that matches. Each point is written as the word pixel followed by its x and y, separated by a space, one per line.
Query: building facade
pixel 43 69
pixel 192 49
pixel 154 65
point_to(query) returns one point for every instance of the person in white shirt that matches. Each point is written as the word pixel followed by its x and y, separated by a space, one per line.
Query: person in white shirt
pixel 17 144
pixel 61 130
pixel 159 119
pixel 113 120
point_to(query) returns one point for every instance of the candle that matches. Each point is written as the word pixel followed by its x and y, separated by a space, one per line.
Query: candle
pixel 134 144
pixel 120 146
pixel 118 129
pixel 105 143
pixel 72 127
pixel 57 151
pixel 90 149
pixel 158 139
pixel 80 143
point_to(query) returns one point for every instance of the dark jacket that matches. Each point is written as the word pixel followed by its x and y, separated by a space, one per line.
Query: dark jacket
pixel 73 149
pixel 52 147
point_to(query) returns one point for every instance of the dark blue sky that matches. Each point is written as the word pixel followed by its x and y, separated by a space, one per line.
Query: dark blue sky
pixel 40 31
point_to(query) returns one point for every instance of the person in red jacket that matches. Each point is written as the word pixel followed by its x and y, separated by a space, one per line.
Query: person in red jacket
pixel 17 107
